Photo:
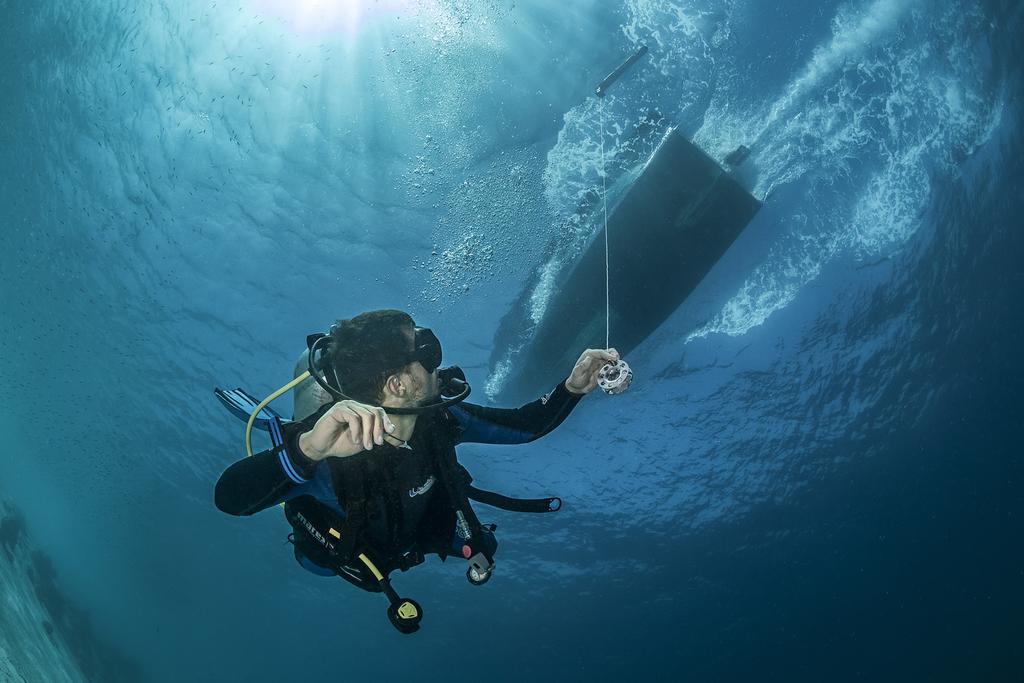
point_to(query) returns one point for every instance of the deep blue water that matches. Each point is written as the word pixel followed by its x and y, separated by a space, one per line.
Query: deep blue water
pixel 816 474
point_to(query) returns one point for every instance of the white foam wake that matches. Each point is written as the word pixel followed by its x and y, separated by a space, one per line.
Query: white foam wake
pixel 893 97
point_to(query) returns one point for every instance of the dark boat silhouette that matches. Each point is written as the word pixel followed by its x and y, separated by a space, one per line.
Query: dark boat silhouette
pixel 665 234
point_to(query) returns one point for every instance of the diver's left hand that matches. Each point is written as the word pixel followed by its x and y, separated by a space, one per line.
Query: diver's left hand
pixel 583 379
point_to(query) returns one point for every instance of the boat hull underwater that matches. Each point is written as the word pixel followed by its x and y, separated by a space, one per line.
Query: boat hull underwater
pixel 669 229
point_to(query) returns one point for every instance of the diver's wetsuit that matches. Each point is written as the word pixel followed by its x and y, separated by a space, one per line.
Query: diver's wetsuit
pixel 402 501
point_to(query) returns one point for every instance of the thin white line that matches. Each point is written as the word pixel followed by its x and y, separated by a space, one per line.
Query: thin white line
pixel 607 271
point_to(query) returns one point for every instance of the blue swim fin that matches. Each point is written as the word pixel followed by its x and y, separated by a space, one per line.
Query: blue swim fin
pixel 241 404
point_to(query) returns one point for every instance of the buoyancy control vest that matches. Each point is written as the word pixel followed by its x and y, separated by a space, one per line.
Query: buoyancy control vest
pixel 339 542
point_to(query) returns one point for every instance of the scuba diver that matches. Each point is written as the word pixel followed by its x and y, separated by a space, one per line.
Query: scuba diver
pixel 367 471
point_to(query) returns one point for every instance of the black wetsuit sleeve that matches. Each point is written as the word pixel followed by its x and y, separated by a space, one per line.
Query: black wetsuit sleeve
pixel 479 424
pixel 266 479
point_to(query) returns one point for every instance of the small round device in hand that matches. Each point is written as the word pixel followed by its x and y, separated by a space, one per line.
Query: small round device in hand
pixel 615 377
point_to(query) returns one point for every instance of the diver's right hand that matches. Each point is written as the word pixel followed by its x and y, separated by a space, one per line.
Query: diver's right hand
pixel 365 425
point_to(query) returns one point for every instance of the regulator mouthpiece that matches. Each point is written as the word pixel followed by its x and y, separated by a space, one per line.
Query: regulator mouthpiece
pixel 615 377
pixel 451 381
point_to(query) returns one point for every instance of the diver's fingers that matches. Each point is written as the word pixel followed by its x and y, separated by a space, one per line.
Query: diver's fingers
pixel 370 424
pixel 378 425
pixel 335 421
pixel 366 432
pixel 589 361
pixel 355 423
pixel 610 355
pixel 585 360
pixel 366 424
pixel 336 417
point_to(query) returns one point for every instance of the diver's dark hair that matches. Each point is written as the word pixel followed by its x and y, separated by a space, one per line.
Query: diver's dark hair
pixel 369 348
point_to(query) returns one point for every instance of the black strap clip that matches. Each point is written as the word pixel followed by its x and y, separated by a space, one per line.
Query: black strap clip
pixel 409 560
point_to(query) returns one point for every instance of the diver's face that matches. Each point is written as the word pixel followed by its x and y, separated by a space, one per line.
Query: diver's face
pixel 424 386
pixel 416 387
